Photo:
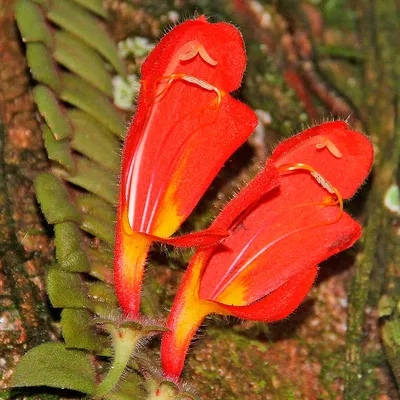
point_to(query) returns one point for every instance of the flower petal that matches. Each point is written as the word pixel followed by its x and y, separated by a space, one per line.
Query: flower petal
pixel 285 233
pixel 222 42
pixel 281 302
pixel 188 311
pixel 186 126
pixel 342 156
pixel 184 130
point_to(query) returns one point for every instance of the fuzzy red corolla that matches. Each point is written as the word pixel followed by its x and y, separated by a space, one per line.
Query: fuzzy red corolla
pixel 286 221
pixel 185 127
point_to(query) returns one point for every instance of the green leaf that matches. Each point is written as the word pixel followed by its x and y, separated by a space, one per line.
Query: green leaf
pixel 94 178
pixel 102 272
pixel 102 254
pixel 128 388
pixel 42 65
pixel 31 23
pixel 50 109
pixel 69 253
pixel 100 228
pixel 66 289
pixel 82 60
pixel 51 364
pixel 96 6
pixel 75 19
pixel 43 3
pixel 88 131
pixel 58 150
pixel 78 331
pixel 95 206
pixel 103 293
pixel 53 199
pixel 101 264
pixel 83 95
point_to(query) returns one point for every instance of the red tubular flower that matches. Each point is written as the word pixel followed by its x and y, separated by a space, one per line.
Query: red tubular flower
pixel 285 222
pixel 186 126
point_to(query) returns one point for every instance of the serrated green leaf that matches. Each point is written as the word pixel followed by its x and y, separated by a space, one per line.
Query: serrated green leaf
pixel 77 20
pixel 98 227
pixel 96 6
pixel 66 289
pixel 101 292
pixel 50 109
pixel 94 178
pixel 58 150
pixel 31 23
pixel 69 253
pixel 42 65
pixel 83 95
pixel 51 364
pixel 81 59
pixel 53 199
pixel 78 331
pixel 95 206
pixel 88 131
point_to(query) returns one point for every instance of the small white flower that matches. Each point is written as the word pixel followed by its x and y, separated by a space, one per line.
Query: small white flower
pixel 124 91
pixel 137 46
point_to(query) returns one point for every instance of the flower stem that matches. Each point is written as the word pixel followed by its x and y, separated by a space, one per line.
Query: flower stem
pixel 161 392
pixel 124 343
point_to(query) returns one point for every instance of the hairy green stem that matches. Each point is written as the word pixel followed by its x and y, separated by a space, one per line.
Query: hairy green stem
pixel 124 343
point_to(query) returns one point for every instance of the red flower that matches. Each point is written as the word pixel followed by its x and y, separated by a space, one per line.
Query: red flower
pixel 285 222
pixel 185 128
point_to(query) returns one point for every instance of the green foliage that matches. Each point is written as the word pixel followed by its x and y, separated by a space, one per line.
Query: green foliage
pixel 93 205
pixel 79 332
pixel 79 93
pixel 66 289
pixel 51 364
pixel 58 150
pixel 95 6
pixel 52 112
pixel 75 19
pixel 94 178
pixel 84 142
pixel 129 388
pixel 31 23
pixel 102 292
pixel 88 131
pixel 82 60
pixel 69 253
pixel 42 65
pixel 53 199
pixel 102 229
